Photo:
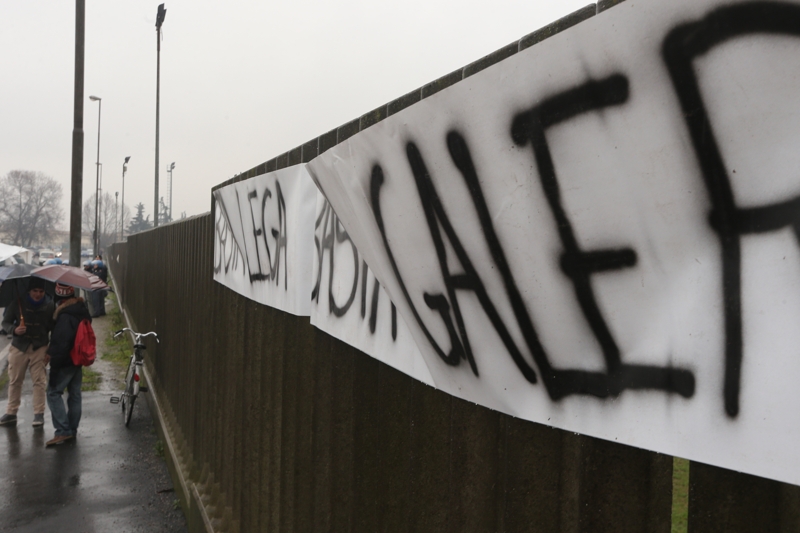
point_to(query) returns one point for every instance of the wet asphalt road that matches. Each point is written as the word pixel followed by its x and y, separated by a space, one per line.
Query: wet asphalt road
pixel 111 478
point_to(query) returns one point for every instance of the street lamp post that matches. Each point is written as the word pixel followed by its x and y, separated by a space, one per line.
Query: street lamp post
pixel 122 215
pixel 76 199
pixel 116 210
pixel 159 21
pixel 97 181
pixel 170 168
pixel 101 229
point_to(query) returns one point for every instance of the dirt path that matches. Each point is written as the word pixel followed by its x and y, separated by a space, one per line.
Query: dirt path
pixel 111 373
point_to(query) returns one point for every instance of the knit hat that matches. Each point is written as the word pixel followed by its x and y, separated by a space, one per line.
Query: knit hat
pixel 64 291
pixel 35 283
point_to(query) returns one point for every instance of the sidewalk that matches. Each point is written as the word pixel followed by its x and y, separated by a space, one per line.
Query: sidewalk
pixel 111 478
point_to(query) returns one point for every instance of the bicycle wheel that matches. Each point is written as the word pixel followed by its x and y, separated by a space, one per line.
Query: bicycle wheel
pixel 129 409
pixel 127 397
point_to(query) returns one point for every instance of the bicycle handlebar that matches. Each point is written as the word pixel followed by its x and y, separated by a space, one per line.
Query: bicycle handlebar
pixel 137 336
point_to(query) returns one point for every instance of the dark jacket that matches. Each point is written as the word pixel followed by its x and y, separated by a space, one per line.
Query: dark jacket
pixel 38 322
pixel 101 271
pixel 68 316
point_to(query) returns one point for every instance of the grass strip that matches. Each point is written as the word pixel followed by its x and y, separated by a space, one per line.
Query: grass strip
pixel 91 380
pixel 117 350
pixel 4 379
pixel 680 495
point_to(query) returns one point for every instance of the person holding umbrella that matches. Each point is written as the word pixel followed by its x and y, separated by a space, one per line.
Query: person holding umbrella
pixel 69 311
pixel 13 283
pixel 30 320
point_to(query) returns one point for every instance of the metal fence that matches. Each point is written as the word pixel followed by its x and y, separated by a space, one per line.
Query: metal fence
pixel 278 426
pixel 284 428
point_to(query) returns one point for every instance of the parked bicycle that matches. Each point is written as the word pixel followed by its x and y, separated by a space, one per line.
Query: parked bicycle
pixel 133 376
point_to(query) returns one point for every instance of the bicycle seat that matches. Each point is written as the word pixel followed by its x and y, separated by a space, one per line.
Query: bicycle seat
pixel 140 346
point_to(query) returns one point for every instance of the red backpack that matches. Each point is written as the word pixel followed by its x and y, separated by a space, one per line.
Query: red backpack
pixel 84 350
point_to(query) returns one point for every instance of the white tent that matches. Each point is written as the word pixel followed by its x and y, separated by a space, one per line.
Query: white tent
pixel 8 250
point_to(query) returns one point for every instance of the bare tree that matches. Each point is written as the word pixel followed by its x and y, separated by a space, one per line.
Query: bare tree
pixel 109 221
pixel 30 207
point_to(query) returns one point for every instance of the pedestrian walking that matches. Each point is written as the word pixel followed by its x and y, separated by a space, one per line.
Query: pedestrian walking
pixel 100 270
pixel 30 321
pixel 70 311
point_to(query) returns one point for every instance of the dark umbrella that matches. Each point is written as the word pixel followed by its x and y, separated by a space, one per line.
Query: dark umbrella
pixel 14 282
pixel 69 275
pixel 20 270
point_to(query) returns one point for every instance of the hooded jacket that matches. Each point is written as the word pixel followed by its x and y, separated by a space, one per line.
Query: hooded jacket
pixel 69 314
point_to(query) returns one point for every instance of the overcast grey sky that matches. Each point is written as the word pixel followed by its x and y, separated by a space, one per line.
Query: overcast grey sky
pixel 241 81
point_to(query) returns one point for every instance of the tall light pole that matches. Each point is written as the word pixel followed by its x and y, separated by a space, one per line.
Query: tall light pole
pixel 101 228
pixel 170 168
pixel 122 215
pixel 116 210
pixel 76 200
pixel 97 181
pixel 159 21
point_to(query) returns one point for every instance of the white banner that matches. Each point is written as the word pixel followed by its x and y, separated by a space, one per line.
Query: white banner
pixel 600 233
pixel 263 230
pixel 350 304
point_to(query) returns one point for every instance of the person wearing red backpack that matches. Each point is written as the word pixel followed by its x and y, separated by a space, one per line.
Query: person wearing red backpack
pixel 64 374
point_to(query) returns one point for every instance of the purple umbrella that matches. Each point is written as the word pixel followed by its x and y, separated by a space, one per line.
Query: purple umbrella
pixel 69 275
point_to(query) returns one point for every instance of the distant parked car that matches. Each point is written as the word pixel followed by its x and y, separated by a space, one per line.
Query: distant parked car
pixel 45 255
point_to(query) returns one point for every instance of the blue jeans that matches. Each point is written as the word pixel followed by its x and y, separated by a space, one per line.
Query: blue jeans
pixel 65 420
